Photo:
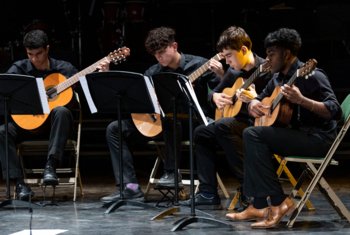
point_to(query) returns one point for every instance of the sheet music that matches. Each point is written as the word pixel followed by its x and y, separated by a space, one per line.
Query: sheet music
pixel 153 95
pixel 42 95
pixel 87 94
pixel 195 100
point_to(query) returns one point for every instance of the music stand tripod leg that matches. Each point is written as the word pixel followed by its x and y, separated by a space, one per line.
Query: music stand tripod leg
pixel 193 218
pixel 115 205
pixel 15 203
pixel 175 208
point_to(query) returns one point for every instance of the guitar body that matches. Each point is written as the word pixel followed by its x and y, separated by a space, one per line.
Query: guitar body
pixel 147 124
pixel 231 110
pixel 31 122
pixel 280 116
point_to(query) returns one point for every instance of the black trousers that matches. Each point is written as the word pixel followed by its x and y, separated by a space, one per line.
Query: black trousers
pixel 227 133
pixel 59 126
pixel 260 179
pixel 131 138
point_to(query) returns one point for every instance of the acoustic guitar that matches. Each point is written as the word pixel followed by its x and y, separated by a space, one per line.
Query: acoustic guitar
pixel 59 91
pixel 150 124
pixel 233 109
pixel 279 111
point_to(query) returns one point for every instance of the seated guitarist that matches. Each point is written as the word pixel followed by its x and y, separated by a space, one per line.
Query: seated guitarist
pixel 161 44
pixel 59 124
pixel 311 131
pixel 235 44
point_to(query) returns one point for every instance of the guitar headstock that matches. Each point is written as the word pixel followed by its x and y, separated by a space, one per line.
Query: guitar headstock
pixel 265 67
pixel 308 69
pixel 119 55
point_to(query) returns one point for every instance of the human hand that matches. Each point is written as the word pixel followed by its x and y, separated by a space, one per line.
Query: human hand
pixel 216 67
pixel 257 109
pixel 292 94
pixel 221 100
pixel 246 95
pixel 103 66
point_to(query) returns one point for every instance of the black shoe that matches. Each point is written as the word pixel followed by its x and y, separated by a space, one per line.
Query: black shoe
pixel 111 198
pixel 23 192
pixel 128 194
pixel 50 177
pixel 168 180
pixel 243 203
pixel 204 203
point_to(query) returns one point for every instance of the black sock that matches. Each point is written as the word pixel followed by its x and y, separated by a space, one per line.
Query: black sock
pixel 260 203
pixel 276 200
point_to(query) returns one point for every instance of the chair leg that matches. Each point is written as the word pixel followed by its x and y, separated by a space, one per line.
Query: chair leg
pixel 234 201
pixel 283 168
pixel 152 176
pixel 222 186
pixel 321 182
pixel 333 199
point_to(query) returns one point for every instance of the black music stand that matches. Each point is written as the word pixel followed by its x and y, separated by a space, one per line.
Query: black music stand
pixel 187 96
pixel 171 96
pixel 120 92
pixel 19 94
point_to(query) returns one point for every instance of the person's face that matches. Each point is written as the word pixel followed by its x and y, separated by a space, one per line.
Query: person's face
pixel 278 58
pixel 235 59
pixel 38 57
pixel 166 56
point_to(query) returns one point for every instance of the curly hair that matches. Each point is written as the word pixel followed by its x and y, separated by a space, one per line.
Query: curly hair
pixel 159 38
pixel 285 38
pixel 234 38
pixel 35 39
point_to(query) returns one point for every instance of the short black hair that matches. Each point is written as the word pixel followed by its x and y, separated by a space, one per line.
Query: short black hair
pixel 35 39
pixel 285 38
pixel 159 38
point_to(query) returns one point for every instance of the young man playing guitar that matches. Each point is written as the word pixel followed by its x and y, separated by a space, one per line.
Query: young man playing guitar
pixel 311 131
pixel 235 44
pixel 161 44
pixel 38 64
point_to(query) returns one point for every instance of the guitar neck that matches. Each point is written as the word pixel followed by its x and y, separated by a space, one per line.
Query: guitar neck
pixel 196 74
pixel 251 79
pixel 279 97
pixel 75 78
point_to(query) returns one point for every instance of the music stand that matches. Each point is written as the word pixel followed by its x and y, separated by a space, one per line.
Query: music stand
pixel 170 96
pixel 20 95
pixel 120 92
pixel 188 95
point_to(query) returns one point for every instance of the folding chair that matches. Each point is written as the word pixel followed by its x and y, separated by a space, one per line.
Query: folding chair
pixel 282 168
pixel 317 172
pixel 69 176
pixel 160 151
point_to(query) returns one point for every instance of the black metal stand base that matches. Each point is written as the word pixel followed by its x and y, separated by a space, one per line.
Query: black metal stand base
pixel 179 224
pixel 112 206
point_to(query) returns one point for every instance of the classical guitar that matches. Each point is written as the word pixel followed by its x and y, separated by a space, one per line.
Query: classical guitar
pixel 233 109
pixel 279 111
pixel 59 91
pixel 150 124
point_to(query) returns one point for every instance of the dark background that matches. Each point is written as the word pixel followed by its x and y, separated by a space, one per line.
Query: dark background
pixel 85 31
pixel 102 26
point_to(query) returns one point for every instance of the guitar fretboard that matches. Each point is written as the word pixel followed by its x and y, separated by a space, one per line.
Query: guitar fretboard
pixel 75 78
pixel 251 78
pixel 196 74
